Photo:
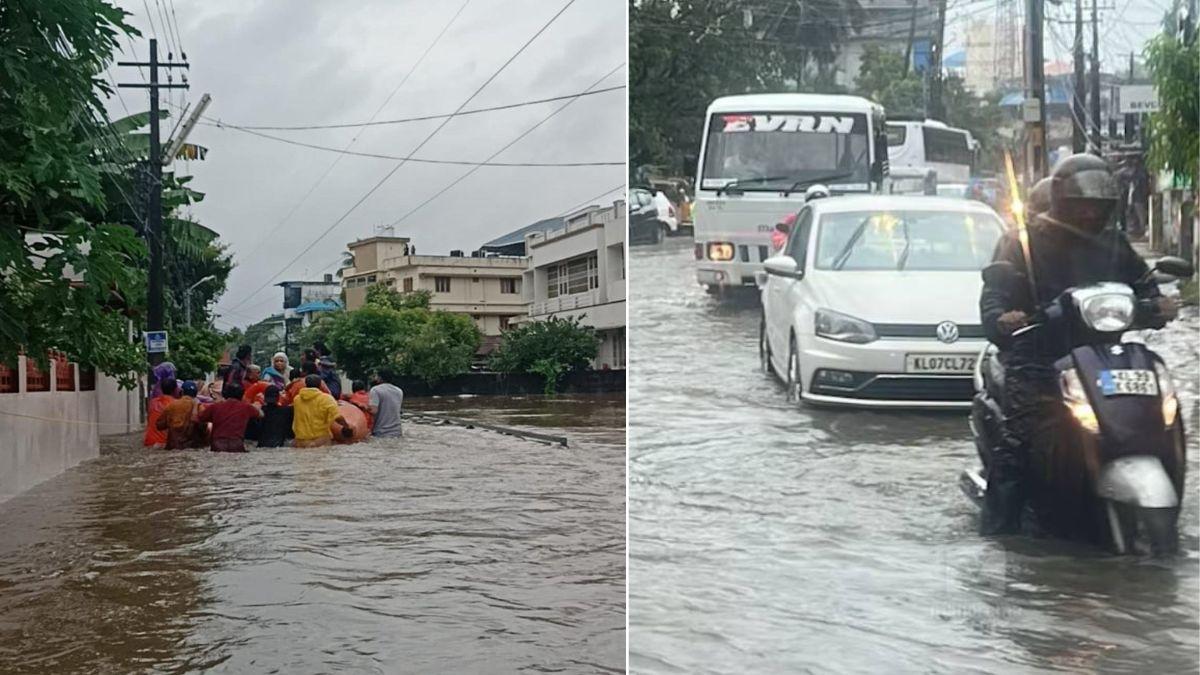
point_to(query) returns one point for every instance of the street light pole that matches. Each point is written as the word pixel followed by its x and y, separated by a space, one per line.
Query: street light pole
pixel 187 299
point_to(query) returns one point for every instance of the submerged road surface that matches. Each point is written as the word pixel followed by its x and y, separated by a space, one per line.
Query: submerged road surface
pixel 451 550
pixel 766 537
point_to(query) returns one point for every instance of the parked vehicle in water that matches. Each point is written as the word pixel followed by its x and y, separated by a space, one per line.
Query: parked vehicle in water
pixel 758 154
pixel 644 224
pixel 1113 470
pixel 874 302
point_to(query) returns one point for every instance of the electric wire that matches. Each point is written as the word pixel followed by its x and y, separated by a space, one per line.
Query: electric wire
pixel 396 168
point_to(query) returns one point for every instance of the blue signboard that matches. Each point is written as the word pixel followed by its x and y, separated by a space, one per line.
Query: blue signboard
pixel 156 341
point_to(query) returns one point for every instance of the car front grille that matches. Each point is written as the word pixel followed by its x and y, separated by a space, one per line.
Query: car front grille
pixel 924 330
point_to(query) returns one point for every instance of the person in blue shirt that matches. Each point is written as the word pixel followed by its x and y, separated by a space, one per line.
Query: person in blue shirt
pixel 327 369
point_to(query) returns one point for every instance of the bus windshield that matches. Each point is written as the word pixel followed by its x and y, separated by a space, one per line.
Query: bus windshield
pixel 773 151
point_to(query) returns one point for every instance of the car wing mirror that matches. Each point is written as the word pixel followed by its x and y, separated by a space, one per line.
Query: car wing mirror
pixel 1178 268
pixel 782 266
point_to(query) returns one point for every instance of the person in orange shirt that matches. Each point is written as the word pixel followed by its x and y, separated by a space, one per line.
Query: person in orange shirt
pixel 155 437
pixel 179 419
pixel 361 400
pixel 255 385
pixel 297 384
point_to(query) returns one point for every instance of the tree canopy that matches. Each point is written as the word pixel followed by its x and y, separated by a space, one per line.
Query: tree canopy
pixel 1174 62
pixel 547 348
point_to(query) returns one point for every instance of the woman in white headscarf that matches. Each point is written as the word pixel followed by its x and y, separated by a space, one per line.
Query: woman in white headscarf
pixel 278 371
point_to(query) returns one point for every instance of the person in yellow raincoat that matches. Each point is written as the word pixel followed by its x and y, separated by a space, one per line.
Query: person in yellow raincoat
pixel 315 412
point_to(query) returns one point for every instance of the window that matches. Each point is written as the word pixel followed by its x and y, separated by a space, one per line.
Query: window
pixel 911 240
pixel 291 297
pixel 408 284
pixel 944 145
pixel 391 282
pixel 441 284
pixel 504 322
pixel 509 286
pixel 785 147
pixel 371 279
pixel 896 134
pixel 573 276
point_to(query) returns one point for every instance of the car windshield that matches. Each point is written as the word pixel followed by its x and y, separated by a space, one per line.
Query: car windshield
pixel 772 151
pixel 906 240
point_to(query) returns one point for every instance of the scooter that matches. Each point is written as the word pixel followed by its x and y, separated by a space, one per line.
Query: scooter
pixel 1113 468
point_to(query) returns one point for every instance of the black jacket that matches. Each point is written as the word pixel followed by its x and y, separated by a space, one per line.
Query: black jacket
pixel 276 427
pixel 1063 258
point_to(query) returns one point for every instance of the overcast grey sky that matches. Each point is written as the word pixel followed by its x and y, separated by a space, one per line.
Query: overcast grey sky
pixel 294 62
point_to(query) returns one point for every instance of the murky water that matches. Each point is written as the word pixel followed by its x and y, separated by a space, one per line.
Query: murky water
pixel 451 550
pixel 770 538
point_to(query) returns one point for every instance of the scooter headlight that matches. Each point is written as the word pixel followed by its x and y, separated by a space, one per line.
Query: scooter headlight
pixel 1077 402
pixel 1108 312
pixel 1166 389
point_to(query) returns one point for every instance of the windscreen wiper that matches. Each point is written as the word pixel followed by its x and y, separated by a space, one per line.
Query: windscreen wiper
pixel 812 181
pixel 907 245
pixel 737 181
pixel 844 254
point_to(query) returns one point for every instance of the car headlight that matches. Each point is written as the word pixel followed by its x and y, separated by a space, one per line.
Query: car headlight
pixel 720 251
pixel 1108 313
pixel 1166 389
pixel 836 326
pixel 1075 397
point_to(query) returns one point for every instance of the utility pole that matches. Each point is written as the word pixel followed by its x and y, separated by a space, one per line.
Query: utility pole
pixel 937 107
pixel 1130 118
pixel 154 299
pixel 1034 113
pixel 1078 113
pixel 912 33
pixel 1095 84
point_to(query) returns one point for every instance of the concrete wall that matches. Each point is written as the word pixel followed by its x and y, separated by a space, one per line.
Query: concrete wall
pixel 43 434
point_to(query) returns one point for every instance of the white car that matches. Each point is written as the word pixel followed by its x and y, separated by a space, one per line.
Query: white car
pixel 666 212
pixel 874 301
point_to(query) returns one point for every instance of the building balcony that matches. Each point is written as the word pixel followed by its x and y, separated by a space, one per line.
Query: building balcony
pixel 565 303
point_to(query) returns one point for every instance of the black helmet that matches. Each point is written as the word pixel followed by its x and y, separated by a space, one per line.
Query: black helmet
pixel 1083 192
pixel 1039 199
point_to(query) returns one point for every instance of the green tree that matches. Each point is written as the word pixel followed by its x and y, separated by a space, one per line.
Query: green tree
pixel 442 347
pixel 547 348
pixel 1174 63
pixel 196 351
pixel 382 296
pixel 265 338
pixel 67 270
pixel 364 340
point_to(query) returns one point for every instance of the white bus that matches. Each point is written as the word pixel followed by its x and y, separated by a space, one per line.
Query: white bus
pixel 931 144
pixel 759 154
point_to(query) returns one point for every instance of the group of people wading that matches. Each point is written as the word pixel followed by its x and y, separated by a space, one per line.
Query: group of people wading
pixel 273 407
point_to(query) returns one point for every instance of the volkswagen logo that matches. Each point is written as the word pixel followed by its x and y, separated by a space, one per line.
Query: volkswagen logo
pixel 947 331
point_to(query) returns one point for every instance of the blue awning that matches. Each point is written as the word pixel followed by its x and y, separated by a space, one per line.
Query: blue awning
pixel 1055 95
pixel 319 306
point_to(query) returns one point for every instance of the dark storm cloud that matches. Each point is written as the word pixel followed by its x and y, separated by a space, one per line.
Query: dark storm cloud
pixel 319 61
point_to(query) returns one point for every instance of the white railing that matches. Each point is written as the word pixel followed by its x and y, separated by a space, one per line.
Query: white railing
pixel 565 303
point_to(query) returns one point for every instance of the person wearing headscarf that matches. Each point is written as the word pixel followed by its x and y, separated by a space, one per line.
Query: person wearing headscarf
pixel 163 371
pixel 277 372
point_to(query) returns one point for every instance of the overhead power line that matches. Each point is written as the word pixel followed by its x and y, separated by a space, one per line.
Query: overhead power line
pixel 403 120
pixel 396 168
pixel 329 169
pixel 495 154
pixel 410 158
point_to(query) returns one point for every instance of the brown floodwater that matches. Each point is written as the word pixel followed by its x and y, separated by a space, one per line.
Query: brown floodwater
pixel 451 550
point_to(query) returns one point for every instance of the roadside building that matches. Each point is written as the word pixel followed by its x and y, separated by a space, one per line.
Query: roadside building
pixel 890 25
pixel 578 270
pixel 513 243
pixel 487 289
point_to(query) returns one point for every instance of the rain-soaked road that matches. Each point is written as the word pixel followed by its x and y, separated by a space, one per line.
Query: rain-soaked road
pixel 770 538
pixel 452 550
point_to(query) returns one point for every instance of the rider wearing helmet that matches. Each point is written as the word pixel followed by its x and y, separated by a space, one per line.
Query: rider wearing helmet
pixel 1039 199
pixel 1071 244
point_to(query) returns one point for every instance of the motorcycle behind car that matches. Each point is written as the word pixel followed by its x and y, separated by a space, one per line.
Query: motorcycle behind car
pixel 1112 471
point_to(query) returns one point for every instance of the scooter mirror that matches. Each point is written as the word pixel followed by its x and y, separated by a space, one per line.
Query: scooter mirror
pixel 1176 267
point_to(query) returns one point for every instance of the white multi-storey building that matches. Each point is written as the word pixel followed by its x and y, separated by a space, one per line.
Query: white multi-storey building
pixel 578 270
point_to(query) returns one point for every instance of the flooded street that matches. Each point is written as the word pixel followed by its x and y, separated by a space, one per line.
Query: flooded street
pixel 768 537
pixel 451 550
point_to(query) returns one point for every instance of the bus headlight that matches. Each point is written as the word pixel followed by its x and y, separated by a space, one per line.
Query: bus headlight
pixel 1075 397
pixel 720 251
pixel 1166 389
pixel 843 328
